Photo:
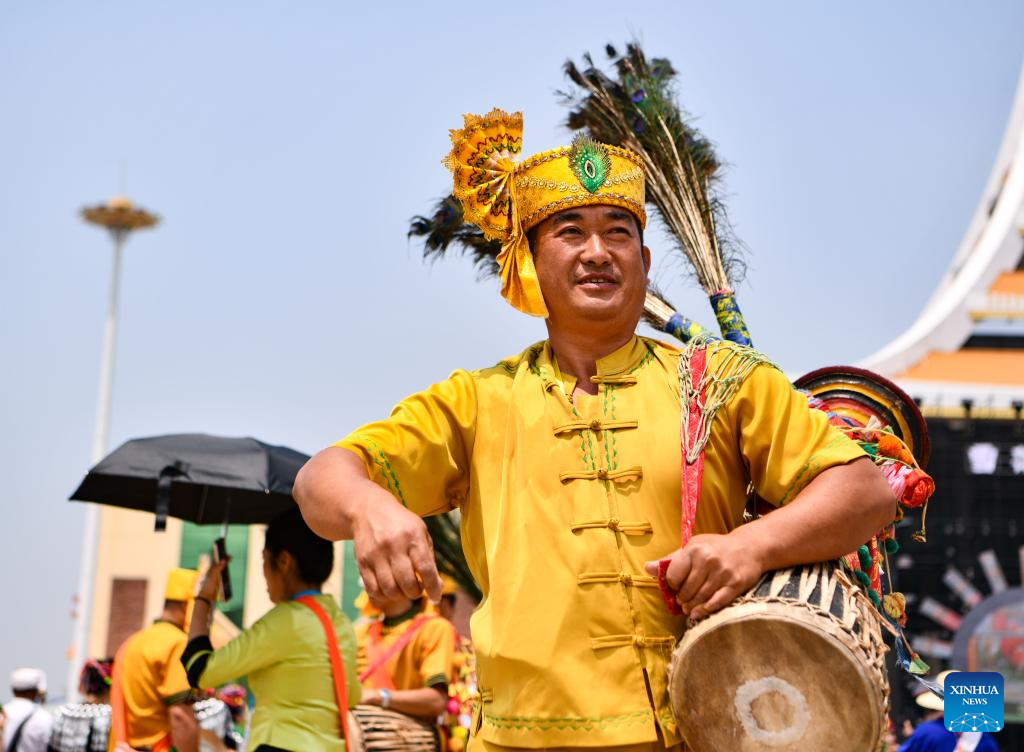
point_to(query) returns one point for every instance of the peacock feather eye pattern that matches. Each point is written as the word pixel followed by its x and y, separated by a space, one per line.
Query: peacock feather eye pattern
pixel 589 161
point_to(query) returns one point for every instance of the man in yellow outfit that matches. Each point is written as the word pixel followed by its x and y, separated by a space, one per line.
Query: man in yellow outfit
pixel 150 697
pixel 565 462
pixel 405 659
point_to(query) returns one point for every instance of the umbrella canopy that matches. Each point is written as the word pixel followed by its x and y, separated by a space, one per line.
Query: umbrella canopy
pixel 196 477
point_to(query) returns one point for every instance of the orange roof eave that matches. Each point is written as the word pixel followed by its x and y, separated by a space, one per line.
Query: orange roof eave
pixel 1009 283
pixel 981 366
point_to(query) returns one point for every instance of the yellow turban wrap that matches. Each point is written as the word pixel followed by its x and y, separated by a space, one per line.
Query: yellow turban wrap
pixel 506 199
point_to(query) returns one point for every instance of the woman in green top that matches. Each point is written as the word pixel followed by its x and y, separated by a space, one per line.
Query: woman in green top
pixel 284 654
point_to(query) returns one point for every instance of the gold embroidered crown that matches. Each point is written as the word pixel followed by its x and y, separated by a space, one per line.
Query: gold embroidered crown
pixel 506 198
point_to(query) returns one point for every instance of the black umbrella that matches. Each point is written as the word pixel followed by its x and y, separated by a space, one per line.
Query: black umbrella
pixel 196 477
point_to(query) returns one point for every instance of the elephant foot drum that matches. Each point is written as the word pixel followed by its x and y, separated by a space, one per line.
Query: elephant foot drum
pixel 795 665
pixel 374 729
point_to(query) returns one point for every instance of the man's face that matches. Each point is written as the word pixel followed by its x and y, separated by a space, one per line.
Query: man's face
pixel 591 267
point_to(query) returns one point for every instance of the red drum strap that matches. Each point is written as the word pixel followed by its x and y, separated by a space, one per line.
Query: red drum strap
pixel 692 473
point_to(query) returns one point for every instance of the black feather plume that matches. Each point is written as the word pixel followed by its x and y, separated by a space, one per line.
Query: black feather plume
pixel 445 227
pixel 447 539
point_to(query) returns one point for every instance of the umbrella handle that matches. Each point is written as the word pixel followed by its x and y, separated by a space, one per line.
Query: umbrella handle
pixel 163 501
pixel 163 493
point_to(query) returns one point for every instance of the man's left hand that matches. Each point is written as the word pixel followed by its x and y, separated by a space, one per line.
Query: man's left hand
pixel 710 572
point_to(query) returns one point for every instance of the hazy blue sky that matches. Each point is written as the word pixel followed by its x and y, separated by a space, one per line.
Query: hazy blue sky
pixel 286 145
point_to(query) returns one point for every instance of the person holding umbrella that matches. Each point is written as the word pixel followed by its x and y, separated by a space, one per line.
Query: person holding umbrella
pixel 283 654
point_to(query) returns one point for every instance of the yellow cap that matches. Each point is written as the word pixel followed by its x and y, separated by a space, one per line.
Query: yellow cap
pixel 181 585
pixel 506 199
pixel 930 701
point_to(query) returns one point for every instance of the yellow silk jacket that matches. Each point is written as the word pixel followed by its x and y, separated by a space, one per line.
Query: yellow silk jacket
pixel 562 504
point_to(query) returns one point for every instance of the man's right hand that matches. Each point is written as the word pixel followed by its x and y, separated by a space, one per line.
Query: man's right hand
pixel 393 548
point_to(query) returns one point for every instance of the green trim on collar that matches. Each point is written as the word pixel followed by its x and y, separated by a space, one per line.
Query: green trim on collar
pixel 414 610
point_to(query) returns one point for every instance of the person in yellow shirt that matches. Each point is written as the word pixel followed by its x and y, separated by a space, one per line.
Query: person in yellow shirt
pixel 150 698
pixel 406 658
pixel 565 462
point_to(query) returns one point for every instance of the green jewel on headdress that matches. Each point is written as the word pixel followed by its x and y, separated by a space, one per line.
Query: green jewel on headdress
pixel 589 161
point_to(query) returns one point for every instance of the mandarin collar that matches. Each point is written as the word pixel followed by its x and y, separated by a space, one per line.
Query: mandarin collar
pixel 623 360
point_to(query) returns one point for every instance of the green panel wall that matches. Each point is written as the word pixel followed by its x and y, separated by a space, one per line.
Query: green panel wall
pixel 197 540
pixel 351 585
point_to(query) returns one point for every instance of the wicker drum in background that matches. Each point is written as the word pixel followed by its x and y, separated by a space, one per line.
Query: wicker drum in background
pixel 374 729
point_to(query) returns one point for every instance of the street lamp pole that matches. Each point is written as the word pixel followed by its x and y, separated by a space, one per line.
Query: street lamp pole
pixel 120 217
pixel 99 441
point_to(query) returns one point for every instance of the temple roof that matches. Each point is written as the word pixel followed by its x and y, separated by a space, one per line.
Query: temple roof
pixel 981 366
pixel 967 345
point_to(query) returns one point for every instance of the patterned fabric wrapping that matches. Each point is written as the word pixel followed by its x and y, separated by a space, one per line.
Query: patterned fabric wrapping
pixel 506 198
pixel 685 329
pixel 730 318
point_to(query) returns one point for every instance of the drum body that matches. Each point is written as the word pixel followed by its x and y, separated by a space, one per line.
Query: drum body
pixel 374 729
pixel 796 664
pixel 215 724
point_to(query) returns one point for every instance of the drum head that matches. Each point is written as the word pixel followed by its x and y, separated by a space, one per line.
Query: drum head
pixel 770 682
